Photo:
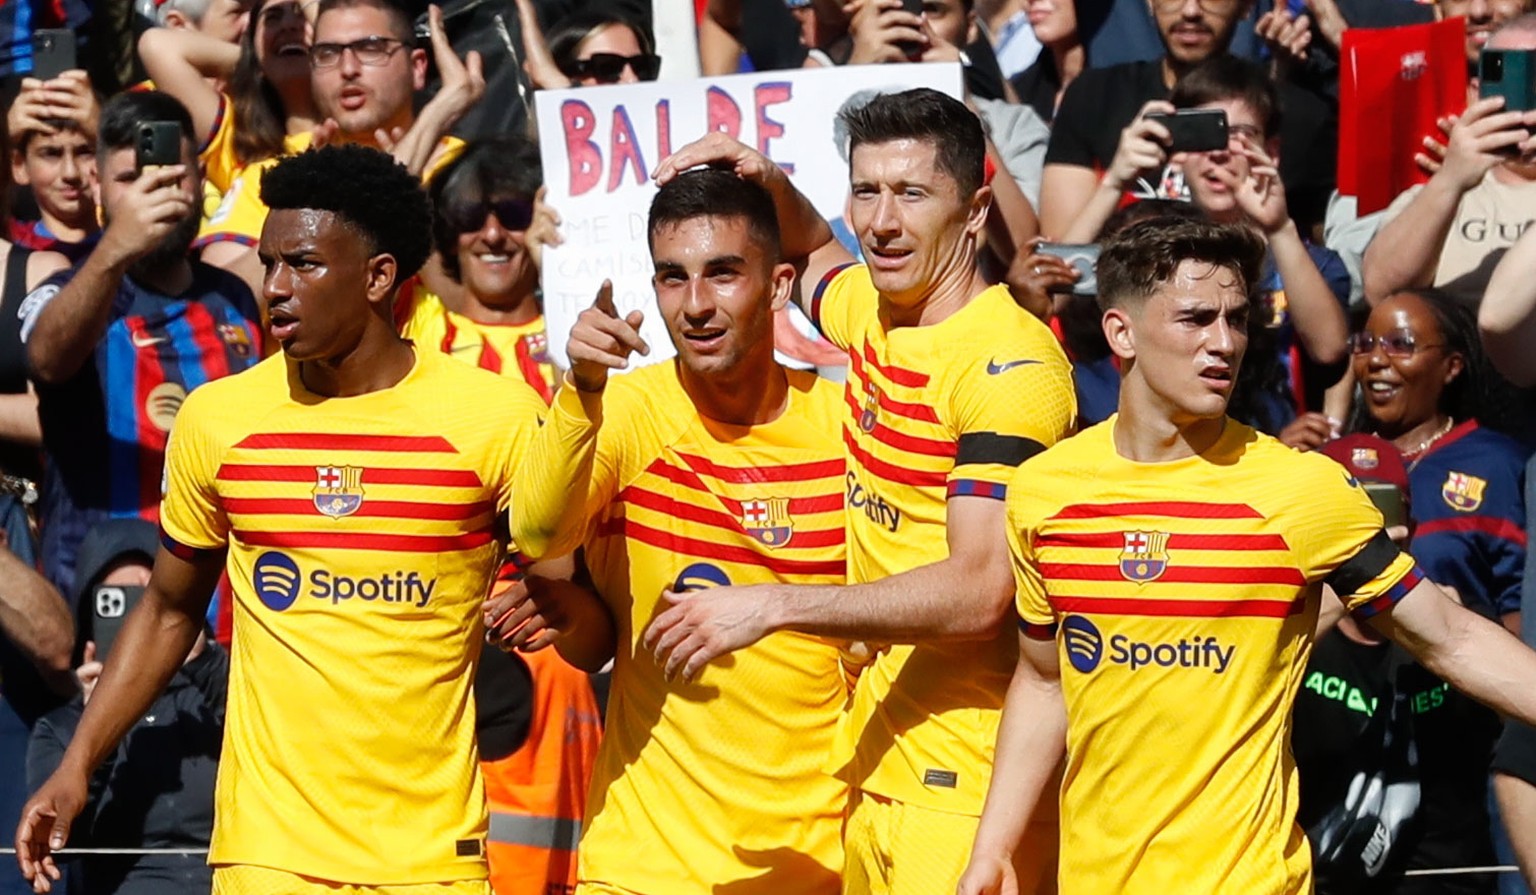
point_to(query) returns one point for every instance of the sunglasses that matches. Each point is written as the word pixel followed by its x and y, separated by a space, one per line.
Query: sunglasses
pixel 607 68
pixel 466 217
pixel 1395 344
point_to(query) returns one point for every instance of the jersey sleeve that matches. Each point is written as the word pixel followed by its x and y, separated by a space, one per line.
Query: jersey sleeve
pixel 1036 617
pixel 217 152
pixel 241 213
pixel 830 307
pixel 192 517
pixel 1340 541
pixel 1005 409
pixel 526 411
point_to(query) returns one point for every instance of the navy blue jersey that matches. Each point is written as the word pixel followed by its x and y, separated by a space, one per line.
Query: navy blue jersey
pixel 1468 493
pixel 104 430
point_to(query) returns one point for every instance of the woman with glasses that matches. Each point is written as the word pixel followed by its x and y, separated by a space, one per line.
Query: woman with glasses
pixel 588 48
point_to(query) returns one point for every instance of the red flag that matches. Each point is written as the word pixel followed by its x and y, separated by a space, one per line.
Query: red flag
pixel 1393 85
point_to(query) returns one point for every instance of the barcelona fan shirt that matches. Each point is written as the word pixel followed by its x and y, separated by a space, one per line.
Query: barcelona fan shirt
pixel 361 545
pixel 1186 594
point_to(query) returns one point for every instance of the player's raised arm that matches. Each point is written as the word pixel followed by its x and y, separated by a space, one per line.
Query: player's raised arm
pixel 1474 655
pixel 153 644
pixel 1031 742
pixel 549 515
pixel 806 238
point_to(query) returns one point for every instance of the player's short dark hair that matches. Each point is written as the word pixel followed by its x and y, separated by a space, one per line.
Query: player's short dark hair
pixel 931 117
pixel 369 191
pixel 489 169
pixel 399 16
pixel 118 127
pixel 1145 209
pixel 1227 77
pixel 711 192
pixel 1136 261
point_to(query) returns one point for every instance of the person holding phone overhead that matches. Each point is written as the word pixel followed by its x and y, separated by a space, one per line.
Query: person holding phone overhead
pixel 129 331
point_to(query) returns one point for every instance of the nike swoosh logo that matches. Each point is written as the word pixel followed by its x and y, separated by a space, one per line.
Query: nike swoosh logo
pixel 145 341
pixel 994 368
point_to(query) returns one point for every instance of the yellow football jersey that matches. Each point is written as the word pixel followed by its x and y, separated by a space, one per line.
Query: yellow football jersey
pixel 714 785
pixel 929 413
pixel 1187 593
pixel 520 349
pixel 360 548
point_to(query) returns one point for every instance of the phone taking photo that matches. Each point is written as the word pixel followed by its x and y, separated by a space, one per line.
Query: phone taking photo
pixel 159 144
pixel 53 52
pixel 1194 130
pixel 1510 74
pixel 1389 499
pixel 1084 258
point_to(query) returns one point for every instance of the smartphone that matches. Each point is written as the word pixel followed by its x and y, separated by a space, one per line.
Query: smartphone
pixel 53 52
pixel 1510 74
pixel 1194 130
pixel 159 144
pixel 913 50
pixel 111 605
pixel 1388 499
pixel 1082 256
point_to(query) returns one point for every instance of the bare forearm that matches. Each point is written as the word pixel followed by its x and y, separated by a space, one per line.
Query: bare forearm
pixel 154 642
pixel 953 599
pixel 1484 661
pixel 70 326
pixel 1507 316
pixel 801 227
pixel 1012 220
pixel 1090 219
pixel 1031 741
pixel 590 639
pixel 1321 327
pixel 18 419
pixel 415 149
pixel 35 618
pixel 1406 250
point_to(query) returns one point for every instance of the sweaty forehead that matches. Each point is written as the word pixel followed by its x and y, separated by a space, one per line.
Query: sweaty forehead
pixel 288 229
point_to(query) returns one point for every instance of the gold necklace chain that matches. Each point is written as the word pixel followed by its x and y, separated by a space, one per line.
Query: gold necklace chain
pixel 1428 442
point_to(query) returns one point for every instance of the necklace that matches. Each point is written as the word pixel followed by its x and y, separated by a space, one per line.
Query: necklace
pixel 1414 453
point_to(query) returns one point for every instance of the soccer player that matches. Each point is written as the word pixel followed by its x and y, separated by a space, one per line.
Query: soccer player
pixel 353 484
pixel 1171 565
pixel 719 467
pixel 950 386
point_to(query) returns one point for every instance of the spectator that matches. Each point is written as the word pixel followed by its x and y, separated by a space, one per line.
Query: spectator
pixel 1062 56
pixel 224 20
pixel 1006 25
pixel 488 226
pixel 1105 109
pixel 1451 232
pixel 1366 712
pixel 364 69
pixel 156 789
pixel 1507 317
pixel 1483 19
pixel 590 47
pixel 115 344
pixel 53 126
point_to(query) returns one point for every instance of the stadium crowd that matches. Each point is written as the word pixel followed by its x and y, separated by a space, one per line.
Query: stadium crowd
pixel 1136 516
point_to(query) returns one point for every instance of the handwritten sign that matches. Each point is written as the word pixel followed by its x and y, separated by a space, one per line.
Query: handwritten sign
pixel 599 146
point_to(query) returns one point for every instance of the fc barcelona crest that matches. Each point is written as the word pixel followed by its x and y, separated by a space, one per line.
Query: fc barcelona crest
pixel 1463 492
pixel 1145 555
pixel 1364 458
pixel 338 490
pixel 537 345
pixel 767 521
pixel 871 406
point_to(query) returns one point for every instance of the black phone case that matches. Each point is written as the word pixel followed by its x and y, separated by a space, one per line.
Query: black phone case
pixel 1195 130
pixel 53 52
pixel 159 144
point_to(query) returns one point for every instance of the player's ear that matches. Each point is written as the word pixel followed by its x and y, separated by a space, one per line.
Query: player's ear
pixel 981 203
pixel 1119 333
pixel 782 285
pixel 383 278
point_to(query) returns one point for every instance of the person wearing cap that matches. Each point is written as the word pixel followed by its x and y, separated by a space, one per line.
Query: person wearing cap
pixel 156 789
pixel 1363 704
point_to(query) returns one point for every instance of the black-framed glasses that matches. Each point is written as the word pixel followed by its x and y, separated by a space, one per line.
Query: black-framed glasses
pixel 607 68
pixel 1394 344
pixel 467 217
pixel 372 51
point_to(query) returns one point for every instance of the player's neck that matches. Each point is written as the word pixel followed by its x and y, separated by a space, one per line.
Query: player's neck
pixel 952 291
pixel 379 361
pixel 1146 433
pixel 751 394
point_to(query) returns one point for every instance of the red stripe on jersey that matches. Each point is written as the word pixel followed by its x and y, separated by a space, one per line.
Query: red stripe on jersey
pixel 335 441
pixel 372 475
pixel 724 552
pixel 1182 608
pixel 1499 528
pixel 784 472
pixel 335 540
pixel 383 509
pixel 149 373
pixel 1280 575
pixel 920 412
pixel 661 503
pixel 1173 508
pixel 895 375
pixel 900 440
pixel 890 471
pixel 205 335
pixel 1176 541
pixel 1394 593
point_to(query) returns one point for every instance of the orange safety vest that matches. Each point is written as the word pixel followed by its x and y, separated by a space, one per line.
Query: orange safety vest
pixel 538 794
